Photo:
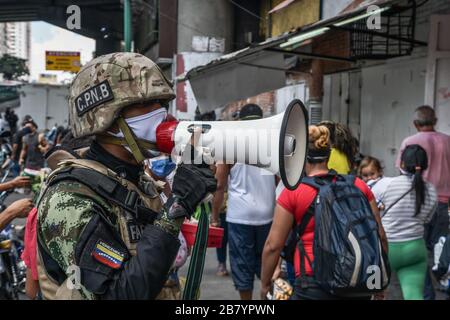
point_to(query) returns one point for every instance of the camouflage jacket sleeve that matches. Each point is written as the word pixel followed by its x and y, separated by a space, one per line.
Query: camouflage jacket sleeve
pixel 64 212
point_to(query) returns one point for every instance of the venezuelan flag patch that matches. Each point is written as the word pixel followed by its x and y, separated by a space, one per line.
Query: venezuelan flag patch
pixel 107 255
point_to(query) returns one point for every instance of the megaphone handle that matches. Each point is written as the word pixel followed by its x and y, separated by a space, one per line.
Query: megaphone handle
pixel 203 205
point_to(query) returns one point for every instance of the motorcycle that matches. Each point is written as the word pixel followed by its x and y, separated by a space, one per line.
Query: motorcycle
pixel 12 268
pixel 5 150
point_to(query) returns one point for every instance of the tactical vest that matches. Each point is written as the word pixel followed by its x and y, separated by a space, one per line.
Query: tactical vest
pixel 126 221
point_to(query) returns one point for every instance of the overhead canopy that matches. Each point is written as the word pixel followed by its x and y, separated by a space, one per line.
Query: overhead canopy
pixel 261 68
pixel 246 77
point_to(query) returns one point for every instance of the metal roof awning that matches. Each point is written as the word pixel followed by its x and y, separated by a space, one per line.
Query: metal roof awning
pixel 261 68
pixel 281 6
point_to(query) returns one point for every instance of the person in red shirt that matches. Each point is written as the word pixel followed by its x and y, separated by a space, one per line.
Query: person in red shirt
pixel 293 205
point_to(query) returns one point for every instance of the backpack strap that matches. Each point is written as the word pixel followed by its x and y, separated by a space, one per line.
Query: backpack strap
pixel 300 230
pixel 108 188
pixel 350 179
pixel 317 182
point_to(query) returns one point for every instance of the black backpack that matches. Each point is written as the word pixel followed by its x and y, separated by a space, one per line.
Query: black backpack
pixel 348 256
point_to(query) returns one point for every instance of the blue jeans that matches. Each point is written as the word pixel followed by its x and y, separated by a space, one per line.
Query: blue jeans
pixel 15 169
pixel 222 251
pixel 246 245
pixel 290 273
pixel 438 227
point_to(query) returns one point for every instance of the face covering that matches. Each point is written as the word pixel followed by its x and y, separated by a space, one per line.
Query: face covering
pixel 144 126
pixel 162 166
pixel 26 130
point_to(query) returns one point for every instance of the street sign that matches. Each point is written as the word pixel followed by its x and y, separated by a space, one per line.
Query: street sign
pixel 62 60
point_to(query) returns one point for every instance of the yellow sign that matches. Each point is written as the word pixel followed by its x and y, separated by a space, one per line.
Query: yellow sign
pixel 62 60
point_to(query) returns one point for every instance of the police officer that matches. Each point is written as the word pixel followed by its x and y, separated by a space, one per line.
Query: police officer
pixel 103 232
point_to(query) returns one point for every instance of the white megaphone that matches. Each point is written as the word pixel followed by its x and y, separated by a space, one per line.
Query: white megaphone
pixel 278 144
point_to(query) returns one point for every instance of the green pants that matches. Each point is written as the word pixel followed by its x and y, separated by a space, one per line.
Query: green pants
pixel 409 260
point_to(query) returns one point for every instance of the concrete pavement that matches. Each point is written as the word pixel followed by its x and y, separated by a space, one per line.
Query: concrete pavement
pixel 214 287
pixel 221 288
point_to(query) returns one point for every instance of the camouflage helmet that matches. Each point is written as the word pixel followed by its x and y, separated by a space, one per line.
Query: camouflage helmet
pixel 107 84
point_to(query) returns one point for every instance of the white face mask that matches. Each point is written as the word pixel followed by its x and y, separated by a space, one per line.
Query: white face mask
pixel 144 126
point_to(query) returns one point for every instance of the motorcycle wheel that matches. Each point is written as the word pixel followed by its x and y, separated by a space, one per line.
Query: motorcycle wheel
pixel 7 292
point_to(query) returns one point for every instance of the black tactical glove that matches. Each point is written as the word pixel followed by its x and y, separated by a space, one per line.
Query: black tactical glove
pixel 191 184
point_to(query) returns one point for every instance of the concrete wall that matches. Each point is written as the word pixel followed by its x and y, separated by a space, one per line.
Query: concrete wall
pixel 47 104
pixel 389 95
pixel 185 103
pixel 331 8
pixel 342 99
pixel 378 104
pixel 285 95
pixel 204 18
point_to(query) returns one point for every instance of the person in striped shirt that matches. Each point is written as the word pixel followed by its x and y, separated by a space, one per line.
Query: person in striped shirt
pixel 409 203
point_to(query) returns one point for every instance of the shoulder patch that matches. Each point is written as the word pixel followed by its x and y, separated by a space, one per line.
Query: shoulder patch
pixel 93 96
pixel 106 254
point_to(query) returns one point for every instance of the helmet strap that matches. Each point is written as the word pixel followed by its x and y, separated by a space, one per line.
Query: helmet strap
pixel 130 139
pixel 108 139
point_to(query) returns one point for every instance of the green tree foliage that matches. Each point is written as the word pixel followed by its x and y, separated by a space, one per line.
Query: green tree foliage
pixel 12 67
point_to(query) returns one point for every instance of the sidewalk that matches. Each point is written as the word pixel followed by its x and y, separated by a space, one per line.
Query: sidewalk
pixel 214 287
pixel 221 288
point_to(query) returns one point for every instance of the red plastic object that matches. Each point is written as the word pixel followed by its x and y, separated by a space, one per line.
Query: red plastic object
pixel 165 136
pixel 215 235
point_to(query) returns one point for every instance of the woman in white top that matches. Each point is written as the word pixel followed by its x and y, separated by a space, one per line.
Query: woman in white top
pixel 409 203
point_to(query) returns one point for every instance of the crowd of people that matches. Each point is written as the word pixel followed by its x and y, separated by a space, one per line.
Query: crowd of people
pixel 113 205
pixel 23 158
pixel 411 209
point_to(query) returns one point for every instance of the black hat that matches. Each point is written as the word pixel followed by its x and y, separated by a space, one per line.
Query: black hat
pixel 28 119
pixel 250 112
pixel 414 158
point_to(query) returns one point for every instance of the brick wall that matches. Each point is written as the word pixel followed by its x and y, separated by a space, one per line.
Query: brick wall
pixel 336 44
pixel 264 100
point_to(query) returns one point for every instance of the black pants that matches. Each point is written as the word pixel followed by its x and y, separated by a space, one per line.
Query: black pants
pixel 310 290
pixel 222 251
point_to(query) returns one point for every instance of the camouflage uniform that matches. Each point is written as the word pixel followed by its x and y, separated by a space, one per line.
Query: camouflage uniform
pixel 79 227
pixel 70 212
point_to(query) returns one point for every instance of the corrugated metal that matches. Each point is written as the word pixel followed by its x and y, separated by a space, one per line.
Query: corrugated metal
pixel 315 114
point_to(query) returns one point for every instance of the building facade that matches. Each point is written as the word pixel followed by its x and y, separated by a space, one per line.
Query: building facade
pixel 15 39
